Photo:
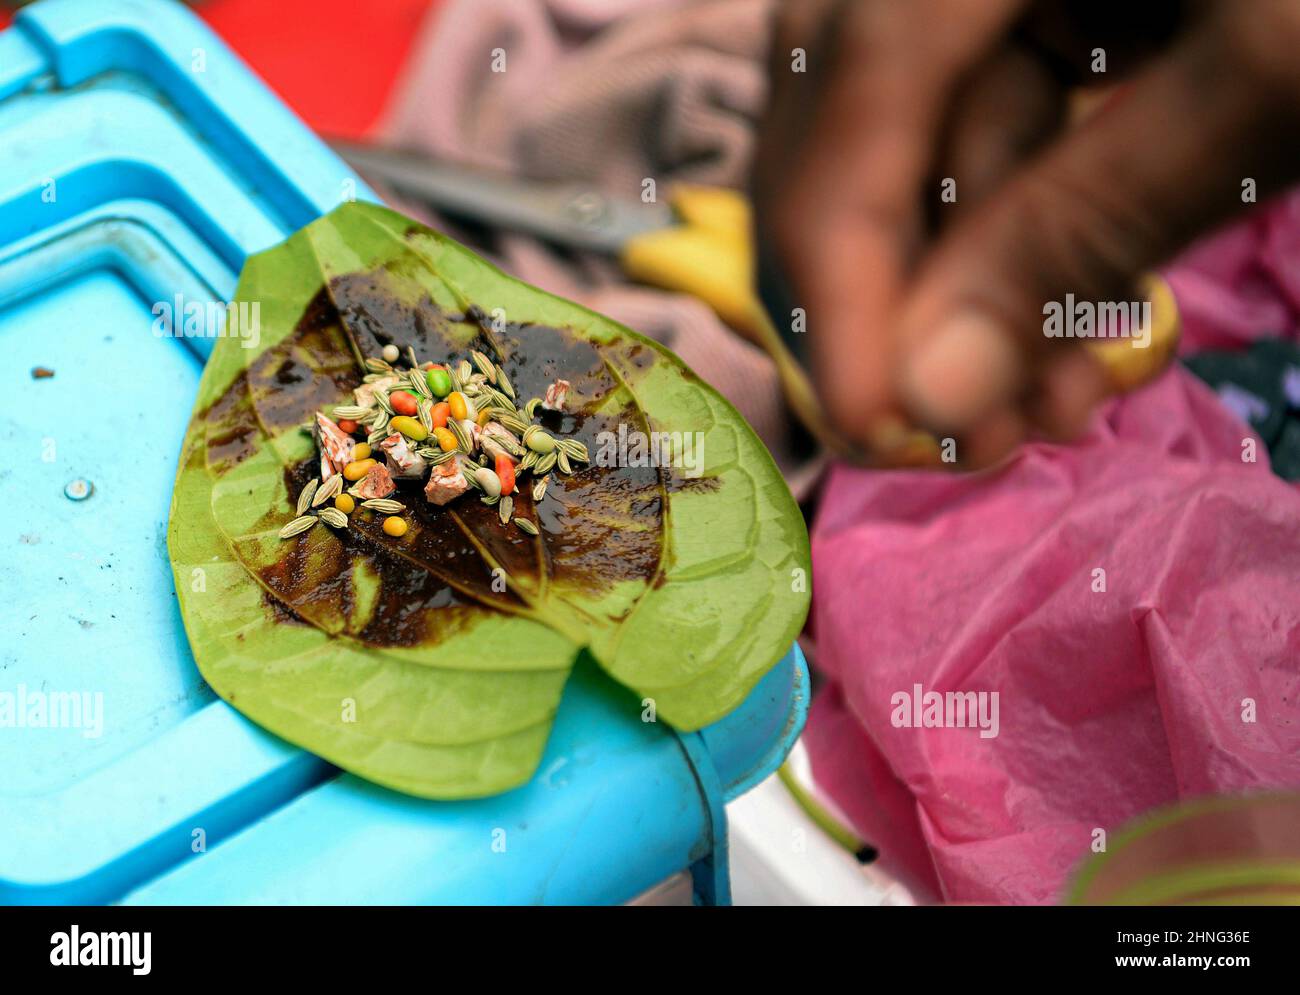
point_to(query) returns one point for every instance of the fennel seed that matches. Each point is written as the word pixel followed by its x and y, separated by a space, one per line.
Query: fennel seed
pixel 485 365
pixel 331 489
pixel 353 412
pixel 298 525
pixel 500 400
pixel 463 438
pixel 418 381
pixel 306 494
pixel 575 450
pixel 503 382
pixel 334 517
pixel 385 506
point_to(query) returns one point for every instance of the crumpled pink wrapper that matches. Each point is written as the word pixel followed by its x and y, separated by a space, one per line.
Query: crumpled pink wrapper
pixel 1243 282
pixel 1110 702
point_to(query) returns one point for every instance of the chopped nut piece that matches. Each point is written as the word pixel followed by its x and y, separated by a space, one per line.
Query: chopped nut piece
pixel 335 444
pixel 365 394
pixel 377 483
pixel 401 461
pixel 447 482
pixel 497 439
pixel 555 395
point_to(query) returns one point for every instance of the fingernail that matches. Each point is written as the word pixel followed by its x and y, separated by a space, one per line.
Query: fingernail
pixel 968 367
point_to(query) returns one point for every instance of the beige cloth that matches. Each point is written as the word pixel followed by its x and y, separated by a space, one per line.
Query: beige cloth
pixel 609 92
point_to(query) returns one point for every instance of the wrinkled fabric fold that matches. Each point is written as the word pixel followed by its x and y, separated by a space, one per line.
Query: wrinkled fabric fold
pixel 1178 679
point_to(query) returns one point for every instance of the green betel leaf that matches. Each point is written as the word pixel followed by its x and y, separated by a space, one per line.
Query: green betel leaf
pixel 434 662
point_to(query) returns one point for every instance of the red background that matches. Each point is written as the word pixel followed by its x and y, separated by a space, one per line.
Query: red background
pixel 332 61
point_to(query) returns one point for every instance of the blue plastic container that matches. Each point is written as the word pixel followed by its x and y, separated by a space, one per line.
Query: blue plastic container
pixel 139 159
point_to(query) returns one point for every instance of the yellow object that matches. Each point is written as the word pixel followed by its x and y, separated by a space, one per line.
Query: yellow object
pixel 345 504
pixel 446 439
pixel 409 427
pixel 484 417
pixel 709 256
pixel 357 469
pixel 456 401
pixel 361 450
pixel 395 526
pixel 1128 366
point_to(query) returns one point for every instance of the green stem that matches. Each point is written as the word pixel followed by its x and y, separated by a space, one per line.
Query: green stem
pixel 819 814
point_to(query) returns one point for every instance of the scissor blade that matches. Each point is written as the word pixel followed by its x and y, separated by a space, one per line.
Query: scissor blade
pixel 565 214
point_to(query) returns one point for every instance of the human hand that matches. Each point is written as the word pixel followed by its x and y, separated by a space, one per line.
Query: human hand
pixel 931 309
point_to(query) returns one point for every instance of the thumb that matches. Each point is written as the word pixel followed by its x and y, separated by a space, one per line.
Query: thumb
pixel 1168 158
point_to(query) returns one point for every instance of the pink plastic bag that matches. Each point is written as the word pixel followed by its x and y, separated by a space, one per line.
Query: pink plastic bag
pixel 1243 282
pixel 1133 601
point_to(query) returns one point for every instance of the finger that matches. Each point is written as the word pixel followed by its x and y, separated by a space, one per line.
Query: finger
pixel 1071 387
pixel 1070 35
pixel 846 220
pixel 796 30
pixel 992 440
pixel 1005 110
pixel 1161 163
pixel 973 366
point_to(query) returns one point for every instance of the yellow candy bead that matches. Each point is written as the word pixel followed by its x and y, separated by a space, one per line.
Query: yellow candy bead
pixel 345 504
pixel 395 526
pixel 409 427
pixel 361 451
pixel 457 402
pixel 446 439
pixel 357 470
